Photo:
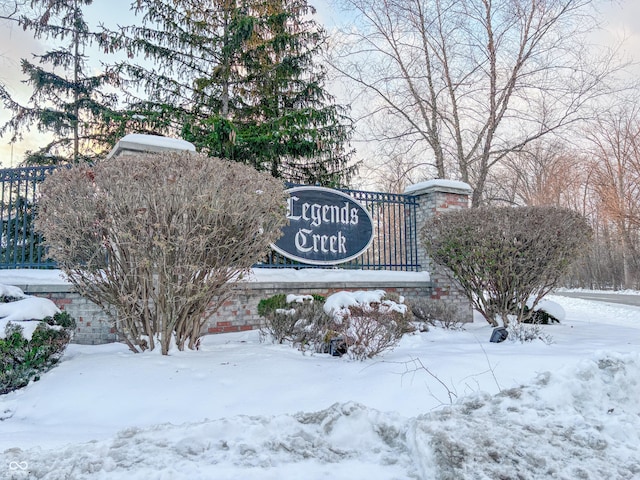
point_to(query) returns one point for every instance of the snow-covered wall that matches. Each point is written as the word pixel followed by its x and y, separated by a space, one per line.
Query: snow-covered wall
pixel 237 314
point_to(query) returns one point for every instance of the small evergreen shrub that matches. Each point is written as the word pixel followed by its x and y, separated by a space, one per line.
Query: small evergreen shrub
pixel 268 306
pixel 23 360
pixel 300 321
pixel 540 317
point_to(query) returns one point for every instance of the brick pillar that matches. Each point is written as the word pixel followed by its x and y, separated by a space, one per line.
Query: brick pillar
pixel 433 198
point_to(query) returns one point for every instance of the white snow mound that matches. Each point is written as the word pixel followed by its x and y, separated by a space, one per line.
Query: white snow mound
pixel 588 413
pixel 30 308
pixel 11 291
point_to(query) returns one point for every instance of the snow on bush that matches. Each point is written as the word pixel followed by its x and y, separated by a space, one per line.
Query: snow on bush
pixel 368 322
pixel 362 323
pixel 549 307
pixel 9 292
pixel 33 336
pixel 28 308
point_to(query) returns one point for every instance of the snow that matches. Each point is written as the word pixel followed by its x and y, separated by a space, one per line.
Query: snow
pixel 158 141
pixel 291 275
pixel 342 300
pixel 24 311
pixel 29 277
pixel 28 309
pixel 442 405
pixel 429 184
pixel 293 298
pixel 552 308
pixel 11 291
pixel 338 303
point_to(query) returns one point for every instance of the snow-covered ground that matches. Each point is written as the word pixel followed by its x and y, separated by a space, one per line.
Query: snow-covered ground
pixel 443 405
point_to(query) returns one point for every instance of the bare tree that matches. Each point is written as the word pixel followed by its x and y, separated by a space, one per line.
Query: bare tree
pixel 615 140
pixel 542 174
pixel 472 80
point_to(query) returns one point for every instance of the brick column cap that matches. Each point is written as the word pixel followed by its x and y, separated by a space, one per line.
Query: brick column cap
pixel 439 185
pixel 136 142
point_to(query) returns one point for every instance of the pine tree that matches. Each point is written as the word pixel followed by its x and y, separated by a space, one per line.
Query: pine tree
pixel 238 78
pixel 66 101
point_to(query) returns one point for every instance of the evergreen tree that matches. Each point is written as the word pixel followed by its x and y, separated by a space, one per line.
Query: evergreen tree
pixel 66 101
pixel 238 79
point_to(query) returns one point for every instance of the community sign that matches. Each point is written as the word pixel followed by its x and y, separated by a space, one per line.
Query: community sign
pixel 326 227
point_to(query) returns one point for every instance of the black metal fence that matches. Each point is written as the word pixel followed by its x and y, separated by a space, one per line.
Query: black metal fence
pixel 394 217
pixel 394 244
pixel 20 246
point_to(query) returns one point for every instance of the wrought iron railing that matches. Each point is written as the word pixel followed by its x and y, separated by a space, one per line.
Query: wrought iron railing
pixel 20 246
pixel 394 218
pixel 395 242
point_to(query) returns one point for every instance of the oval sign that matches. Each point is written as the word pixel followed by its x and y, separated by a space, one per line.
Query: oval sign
pixel 326 227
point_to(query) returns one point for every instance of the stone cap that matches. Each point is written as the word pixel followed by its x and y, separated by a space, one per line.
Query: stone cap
pixel 439 185
pixel 135 142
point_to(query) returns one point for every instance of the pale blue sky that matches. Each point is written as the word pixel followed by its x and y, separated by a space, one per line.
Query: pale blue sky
pixel 621 19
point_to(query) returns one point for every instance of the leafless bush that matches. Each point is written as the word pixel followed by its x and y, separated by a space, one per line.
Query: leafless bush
pixel 159 239
pixel 437 313
pixel 503 256
pixel 369 330
pixel 524 333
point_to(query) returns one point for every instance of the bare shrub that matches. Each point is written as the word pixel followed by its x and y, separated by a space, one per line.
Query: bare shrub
pixel 503 256
pixel 437 313
pixel 279 326
pixel 369 330
pixel 362 330
pixel 524 333
pixel 158 240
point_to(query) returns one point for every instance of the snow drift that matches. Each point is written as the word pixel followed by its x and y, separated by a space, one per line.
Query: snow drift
pixel 587 413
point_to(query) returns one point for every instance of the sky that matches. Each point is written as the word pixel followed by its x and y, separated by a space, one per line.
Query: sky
pixel 621 19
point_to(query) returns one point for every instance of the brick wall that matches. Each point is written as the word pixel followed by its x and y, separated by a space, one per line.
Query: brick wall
pixel 93 325
pixel 237 314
